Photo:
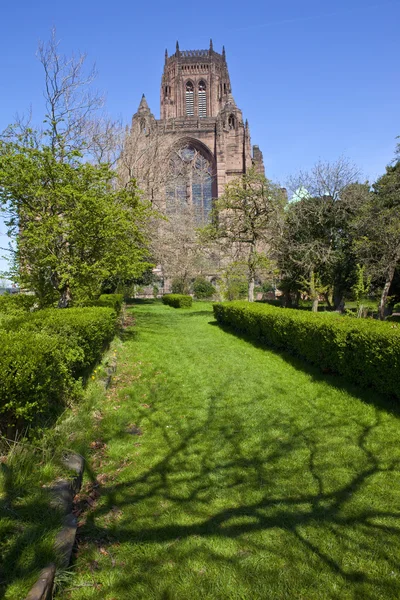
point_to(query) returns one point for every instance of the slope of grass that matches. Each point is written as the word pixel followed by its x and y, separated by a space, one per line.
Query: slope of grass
pixel 229 471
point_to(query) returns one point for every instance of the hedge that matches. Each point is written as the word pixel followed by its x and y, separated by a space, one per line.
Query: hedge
pixel 365 351
pixel 177 300
pixel 16 303
pixel 42 353
pixel 109 300
pixel 34 376
pixel 82 332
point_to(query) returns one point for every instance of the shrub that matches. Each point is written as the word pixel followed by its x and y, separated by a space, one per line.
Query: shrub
pixel 365 351
pixel 114 301
pixel 81 333
pixel 180 285
pixel 177 300
pixel 34 376
pixel 16 303
pixel 202 288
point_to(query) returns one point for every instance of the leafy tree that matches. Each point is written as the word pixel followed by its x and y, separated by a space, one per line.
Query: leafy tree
pixel 203 288
pixel 247 221
pixel 73 229
pixel 316 254
pixel 377 232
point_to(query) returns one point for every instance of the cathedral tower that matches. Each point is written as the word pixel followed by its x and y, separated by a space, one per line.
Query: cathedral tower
pixel 200 142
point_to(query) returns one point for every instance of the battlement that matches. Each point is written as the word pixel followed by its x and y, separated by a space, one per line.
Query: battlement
pixel 195 54
pixel 189 53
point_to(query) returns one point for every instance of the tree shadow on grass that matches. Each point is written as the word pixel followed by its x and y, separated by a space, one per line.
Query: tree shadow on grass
pixel 231 506
pixel 23 549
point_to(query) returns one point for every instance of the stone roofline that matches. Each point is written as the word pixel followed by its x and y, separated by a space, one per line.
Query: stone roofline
pixel 195 54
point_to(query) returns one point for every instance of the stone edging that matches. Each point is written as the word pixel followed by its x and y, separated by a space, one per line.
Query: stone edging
pixel 63 492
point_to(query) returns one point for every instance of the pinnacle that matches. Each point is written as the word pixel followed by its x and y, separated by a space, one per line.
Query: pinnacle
pixel 143 103
pixel 230 100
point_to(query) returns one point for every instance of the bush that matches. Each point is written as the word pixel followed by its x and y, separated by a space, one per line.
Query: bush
pixel 180 285
pixel 177 300
pixel 365 351
pixel 81 333
pixel 41 354
pixel 114 301
pixel 16 303
pixel 203 289
pixel 34 376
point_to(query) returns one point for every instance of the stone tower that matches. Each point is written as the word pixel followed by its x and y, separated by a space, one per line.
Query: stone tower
pixel 200 142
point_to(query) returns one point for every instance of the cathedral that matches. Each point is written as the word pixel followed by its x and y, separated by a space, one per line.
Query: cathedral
pixel 200 142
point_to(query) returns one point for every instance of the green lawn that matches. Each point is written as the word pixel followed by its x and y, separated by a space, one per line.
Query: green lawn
pixel 232 472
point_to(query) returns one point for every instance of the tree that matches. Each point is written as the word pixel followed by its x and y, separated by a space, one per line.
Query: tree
pixel 247 220
pixel 73 229
pixel 315 250
pixel 377 232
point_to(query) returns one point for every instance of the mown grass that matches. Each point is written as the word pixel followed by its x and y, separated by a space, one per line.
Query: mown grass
pixel 229 471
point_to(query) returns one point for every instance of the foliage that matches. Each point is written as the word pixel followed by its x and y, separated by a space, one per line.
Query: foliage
pixel 203 289
pixel 114 301
pixel 361 288
pixel 177 300
pixel 246 221
pixel 180 285
pixel 315 250
pixel 42 352
pixel 15 303
pixel 377 232
pixel 234 281
pixel 82 333
pixel 34 375
pixel 73 228
pixel 367 352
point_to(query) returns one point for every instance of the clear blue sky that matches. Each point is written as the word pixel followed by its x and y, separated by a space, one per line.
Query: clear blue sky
pixel 316 79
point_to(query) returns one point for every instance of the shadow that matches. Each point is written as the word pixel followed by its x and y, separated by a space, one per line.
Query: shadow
pixel 27 525
pixel 236 506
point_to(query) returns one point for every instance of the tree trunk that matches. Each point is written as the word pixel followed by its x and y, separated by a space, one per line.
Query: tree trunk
pixel 385 291
pixel 65 298
pixel 251 289
pixel 313 292
pixel 251 269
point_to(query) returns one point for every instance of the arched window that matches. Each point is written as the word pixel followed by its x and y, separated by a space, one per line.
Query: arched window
pixel 190 184
pixel 202 99
pixel 189 99
pixel 231 122
pixel 143 126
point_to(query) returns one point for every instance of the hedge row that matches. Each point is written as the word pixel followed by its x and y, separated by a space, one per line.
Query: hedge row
pixel 177 300
pixel 109 300
pixel 43 353
pixel 16 303
pixel 365 351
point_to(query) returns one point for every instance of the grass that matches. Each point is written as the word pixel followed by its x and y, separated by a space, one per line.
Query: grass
pixel 230 471
pixel 28 522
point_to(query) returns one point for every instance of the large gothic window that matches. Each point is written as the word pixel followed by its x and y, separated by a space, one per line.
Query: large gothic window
pixel 189 99
pixel 190 184
pixel 202 99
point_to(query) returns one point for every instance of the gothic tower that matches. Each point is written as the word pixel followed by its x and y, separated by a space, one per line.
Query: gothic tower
pixel 200 142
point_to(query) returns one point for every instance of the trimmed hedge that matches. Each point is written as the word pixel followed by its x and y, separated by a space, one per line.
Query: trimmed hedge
pixel 177 300
pixel 114 301
pixel 34 375
pixel 365 351
pixel 16 303
pixel 82 332
pixel 43 352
